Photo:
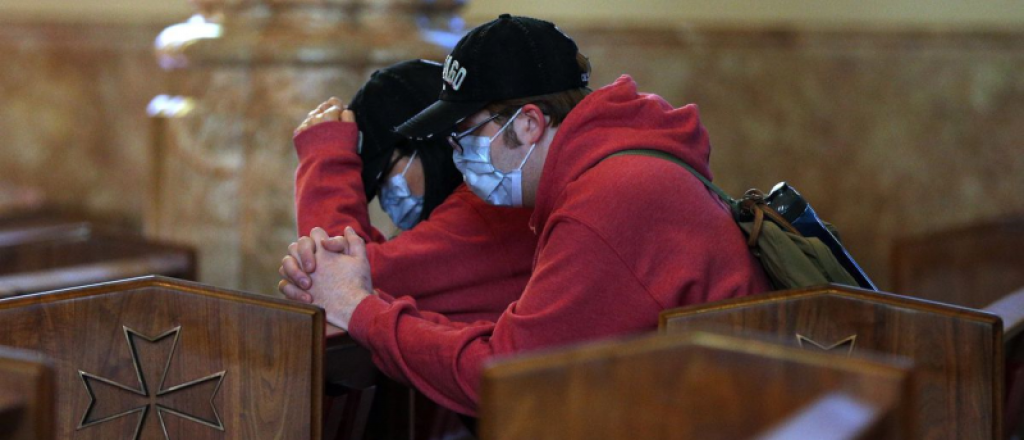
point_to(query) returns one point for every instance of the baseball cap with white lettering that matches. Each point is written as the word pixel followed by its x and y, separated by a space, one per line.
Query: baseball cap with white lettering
pixel 508 58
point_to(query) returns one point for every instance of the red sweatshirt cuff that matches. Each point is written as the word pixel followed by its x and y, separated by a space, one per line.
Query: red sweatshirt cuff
pixel 362 318
pixel 331 136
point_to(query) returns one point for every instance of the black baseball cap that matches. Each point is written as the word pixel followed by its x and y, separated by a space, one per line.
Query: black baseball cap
pixel 392 95
pixel 511 57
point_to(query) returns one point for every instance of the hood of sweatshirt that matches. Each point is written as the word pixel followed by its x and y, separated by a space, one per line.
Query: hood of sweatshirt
pixel 612 119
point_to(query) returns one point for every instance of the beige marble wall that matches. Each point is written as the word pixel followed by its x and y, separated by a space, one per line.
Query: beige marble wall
pixel 887 133
pixel 227 185
pixel 227 174
pixel 896 13
pixel 72 113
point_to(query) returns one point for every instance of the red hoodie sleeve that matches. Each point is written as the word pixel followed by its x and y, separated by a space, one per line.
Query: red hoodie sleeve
pixel 467 260
pixel 328 182
pixel 564 302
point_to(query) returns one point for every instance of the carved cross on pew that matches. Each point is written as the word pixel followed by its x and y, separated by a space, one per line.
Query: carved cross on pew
pixel 847 343
pixel 188 400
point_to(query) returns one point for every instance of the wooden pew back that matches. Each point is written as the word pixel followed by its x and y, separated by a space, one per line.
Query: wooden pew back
pixel 958 352
pixel 971 266
pixel 836 416
pixel 75 255
pixel 26 396
pixel 1011 309
pixel 137 358
pixel 694 386
pixel 45 228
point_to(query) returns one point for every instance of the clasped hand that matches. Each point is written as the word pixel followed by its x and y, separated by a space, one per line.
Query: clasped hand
pixel 331 272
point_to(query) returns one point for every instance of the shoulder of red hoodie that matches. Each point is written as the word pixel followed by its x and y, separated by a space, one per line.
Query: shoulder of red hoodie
pixel 667 229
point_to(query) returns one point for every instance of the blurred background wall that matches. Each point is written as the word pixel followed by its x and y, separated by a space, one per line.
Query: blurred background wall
pixel 871 13
pixel 894 118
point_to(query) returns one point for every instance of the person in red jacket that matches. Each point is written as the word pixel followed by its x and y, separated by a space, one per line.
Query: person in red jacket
pixel 349 155
pixel 620 238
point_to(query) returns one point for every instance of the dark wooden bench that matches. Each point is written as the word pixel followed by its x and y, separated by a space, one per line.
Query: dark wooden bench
pixel 26 396
pixel 971 266
pixel 837 416
pixel 689 386
pixel 58 255
pixel 350 380
pixel 30 229
pixel 1011 309
pixel 141 357
pixel 958 352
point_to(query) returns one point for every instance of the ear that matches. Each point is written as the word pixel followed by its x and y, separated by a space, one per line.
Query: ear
pixel 531 125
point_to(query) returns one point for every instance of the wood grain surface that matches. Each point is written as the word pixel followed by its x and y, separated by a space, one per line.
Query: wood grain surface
pixel 157 358
pixel 689 386
pixel 45 251
pixel 971 266
pixel 1011 309
pixel 26 396
pixel 837 416
pixel 958 352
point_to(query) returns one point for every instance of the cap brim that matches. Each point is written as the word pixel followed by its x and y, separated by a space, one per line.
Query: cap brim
pixel 440 116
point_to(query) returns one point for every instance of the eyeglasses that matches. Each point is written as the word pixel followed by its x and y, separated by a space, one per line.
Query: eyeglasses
pixel 454 138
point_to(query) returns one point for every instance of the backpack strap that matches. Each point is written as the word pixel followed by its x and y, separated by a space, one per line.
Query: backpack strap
pixel 733 203
pixel 752 202
pixel 788 258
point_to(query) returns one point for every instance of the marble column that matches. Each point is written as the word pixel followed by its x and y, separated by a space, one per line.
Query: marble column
pixel 242 75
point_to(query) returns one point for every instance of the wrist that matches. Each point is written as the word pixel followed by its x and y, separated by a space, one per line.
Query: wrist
pixel 342 316
pixel 326 137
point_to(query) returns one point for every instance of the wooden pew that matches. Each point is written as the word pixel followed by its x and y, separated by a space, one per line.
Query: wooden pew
pixel 690 386
pixel 61 255
pixel 26 396
pixel 971 266
pixel 35 228
pixel 362 403
pixel 957 351
pixel 143 357
pixel 1011 309
pixel 13 414
pixel 350 380
pixel 837 416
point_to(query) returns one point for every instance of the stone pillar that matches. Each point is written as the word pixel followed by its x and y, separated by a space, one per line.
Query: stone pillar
pixel 243 74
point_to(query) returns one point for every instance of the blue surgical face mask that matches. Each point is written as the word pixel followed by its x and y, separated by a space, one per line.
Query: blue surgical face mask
pixel 398 201
pixel 494 186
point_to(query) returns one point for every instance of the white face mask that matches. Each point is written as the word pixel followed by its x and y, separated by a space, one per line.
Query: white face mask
pixel 496 187
pixel 398 201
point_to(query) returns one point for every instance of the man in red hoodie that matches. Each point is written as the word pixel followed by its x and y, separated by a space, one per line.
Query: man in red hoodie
pixel 620 238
